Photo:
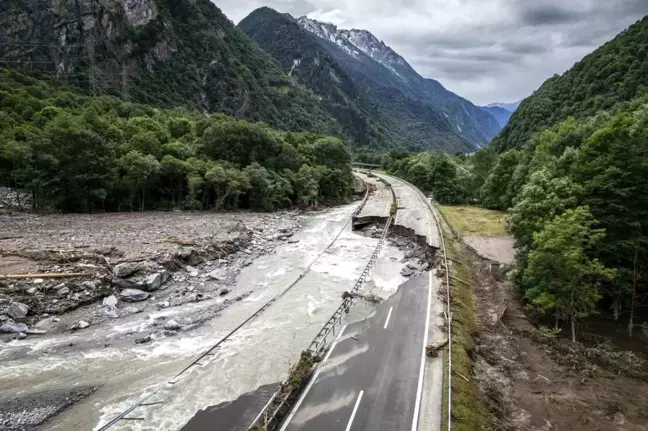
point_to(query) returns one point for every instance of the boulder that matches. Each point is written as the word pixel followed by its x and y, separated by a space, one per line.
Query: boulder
pixel 155 281
pixel 216 275
pixel 172 325
pixel 47 324
pixel 22 335
pixel 143 340
pixel 63 291
pixel 224 292
pixel 92 285
pixel 17 310
pixel 81 324
pixel 192 271
pixel 11 327
pixel 110 301
pixel 126 269
pixel 407 272
pixel 134 295
pixel 38 281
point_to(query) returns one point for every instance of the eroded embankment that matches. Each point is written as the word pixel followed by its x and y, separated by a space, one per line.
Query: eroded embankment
pixel 511 375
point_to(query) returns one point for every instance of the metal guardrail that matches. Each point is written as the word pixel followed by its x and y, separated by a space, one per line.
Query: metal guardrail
pixel 269 420
pixel 210 352
pixel 448 310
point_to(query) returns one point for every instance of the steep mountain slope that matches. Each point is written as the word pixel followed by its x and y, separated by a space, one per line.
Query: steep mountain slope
pixel 511 107
pixel 304 59
pixel 354 73
pixel 500 114
pixel 469 120
pixel 615 73
pixel 167 53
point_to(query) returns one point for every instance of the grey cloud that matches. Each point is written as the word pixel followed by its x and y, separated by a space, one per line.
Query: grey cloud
pixel 484 50
pixel 542 15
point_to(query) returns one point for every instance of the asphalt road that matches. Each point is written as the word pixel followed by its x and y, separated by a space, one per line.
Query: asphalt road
pixel 413 212
pixel 369 380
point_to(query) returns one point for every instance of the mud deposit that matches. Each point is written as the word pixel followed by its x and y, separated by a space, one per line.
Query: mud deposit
pixel 532 383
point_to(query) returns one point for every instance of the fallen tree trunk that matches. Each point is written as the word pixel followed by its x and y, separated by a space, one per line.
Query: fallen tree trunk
pixel 432 350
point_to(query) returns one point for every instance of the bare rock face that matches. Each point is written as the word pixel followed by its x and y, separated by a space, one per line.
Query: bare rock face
pixel 139 12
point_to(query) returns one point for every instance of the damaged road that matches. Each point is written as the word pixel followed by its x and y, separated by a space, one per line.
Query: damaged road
pixel 369 377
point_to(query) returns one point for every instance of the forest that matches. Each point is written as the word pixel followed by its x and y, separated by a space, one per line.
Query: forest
pixel 576 197
pixel 78 153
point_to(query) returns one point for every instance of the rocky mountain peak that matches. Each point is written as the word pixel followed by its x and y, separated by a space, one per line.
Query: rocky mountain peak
pixel 355 40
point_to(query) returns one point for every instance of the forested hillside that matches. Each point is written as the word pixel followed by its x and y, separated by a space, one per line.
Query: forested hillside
pixel 80 153
pixel 166 53
pixel 616 72
pixel 379 99
pixel 571 168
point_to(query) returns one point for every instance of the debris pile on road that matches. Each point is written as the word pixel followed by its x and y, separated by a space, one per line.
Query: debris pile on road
pixel 366 297
pixel 432 350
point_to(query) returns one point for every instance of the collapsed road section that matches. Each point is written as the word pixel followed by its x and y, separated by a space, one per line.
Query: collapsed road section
pixel 376 374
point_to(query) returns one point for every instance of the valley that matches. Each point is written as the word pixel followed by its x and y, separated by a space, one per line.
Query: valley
pixel 314 217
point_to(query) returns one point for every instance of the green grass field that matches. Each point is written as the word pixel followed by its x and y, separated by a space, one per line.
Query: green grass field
pixel 468 220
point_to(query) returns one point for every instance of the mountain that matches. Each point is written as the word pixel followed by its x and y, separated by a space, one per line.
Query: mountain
pixel 352 71
pixel 166 53
pixel 511 107
pixel 614 74
pixel 502 115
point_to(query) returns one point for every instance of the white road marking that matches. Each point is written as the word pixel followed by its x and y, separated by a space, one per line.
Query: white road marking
pixel 388 316
pixel 310 384
pixel 355 409
pixel 419 390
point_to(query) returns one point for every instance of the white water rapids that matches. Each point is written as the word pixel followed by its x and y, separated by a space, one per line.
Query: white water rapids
pixel 260 353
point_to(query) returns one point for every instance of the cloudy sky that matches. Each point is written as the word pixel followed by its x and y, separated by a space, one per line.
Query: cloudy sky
pixel 484 50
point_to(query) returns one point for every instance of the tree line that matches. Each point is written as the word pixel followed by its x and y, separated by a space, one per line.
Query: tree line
pixel 77 153
pixel 576 197
pixel 577 200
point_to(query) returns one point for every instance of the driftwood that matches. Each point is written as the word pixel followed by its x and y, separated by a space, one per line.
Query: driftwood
pixel 461 375
pixel 50 275
pixel 460 280
pixel 432 350
pixel 455 260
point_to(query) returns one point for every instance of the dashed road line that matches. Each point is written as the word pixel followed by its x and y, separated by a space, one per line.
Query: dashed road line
pixel 310 384
pixel 355 410
pixel 388 316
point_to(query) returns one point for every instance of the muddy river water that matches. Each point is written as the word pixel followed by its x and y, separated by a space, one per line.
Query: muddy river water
pixel 259 354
